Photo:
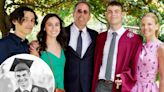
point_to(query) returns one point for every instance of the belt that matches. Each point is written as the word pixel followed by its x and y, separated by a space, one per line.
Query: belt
pixel 106 81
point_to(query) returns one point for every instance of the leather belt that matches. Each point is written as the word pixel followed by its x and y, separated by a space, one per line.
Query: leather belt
pixel 106 81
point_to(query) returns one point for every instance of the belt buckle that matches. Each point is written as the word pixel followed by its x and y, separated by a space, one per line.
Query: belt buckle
pixel 108 81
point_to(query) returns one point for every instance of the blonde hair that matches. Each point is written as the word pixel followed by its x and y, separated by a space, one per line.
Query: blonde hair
pixel 153 16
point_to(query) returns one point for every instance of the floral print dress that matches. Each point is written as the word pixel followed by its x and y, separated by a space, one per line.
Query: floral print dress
pixel 147 68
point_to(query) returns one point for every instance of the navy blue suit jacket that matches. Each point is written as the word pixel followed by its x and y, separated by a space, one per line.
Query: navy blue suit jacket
pixel 79 71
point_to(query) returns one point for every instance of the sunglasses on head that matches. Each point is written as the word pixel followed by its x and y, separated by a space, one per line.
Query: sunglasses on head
pixel 82 11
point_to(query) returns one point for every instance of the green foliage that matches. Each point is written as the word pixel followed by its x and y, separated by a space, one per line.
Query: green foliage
pixel 161 37
pixel 131 21
pixel 134 9
pixel 98 9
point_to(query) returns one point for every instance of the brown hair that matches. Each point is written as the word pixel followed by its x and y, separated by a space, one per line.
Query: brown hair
pixel 18 15
pixel 115 3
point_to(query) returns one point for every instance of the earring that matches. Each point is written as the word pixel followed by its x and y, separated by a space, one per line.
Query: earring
pixel 40 39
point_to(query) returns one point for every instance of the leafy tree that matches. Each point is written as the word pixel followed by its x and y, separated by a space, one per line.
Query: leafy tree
pixel 134 8
pixel 161 37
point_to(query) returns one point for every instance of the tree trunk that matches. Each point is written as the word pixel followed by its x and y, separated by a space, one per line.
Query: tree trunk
pixel 4 20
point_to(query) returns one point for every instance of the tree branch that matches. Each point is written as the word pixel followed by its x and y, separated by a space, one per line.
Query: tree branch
pixel 34 5
pixel 97 17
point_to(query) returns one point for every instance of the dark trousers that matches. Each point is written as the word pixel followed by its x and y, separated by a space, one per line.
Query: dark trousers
pixel 104 86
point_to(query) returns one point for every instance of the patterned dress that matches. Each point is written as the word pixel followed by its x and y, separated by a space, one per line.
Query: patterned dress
pixel 147 68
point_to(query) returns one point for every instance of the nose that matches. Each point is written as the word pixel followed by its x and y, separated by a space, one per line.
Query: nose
pixel 53 27
pixel 20 78
pixel 31 24
pixel 145 27
pixel 113 13
pixel 81 13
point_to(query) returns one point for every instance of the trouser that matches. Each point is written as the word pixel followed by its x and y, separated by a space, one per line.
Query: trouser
pixel 104 86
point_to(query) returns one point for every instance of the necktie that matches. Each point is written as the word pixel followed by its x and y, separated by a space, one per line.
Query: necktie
pixel 110 57
pixel 79 44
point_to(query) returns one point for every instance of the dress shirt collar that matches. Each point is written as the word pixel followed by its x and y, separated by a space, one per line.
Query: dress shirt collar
pixel 84 30
pixel 29 88
pixel 119 31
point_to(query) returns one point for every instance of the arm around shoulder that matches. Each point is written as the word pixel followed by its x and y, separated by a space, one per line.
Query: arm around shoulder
pixel 160 52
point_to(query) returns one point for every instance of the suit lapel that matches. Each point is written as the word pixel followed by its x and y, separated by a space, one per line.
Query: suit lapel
pixel 92 36
pixel 92 39
pixel 68 31
pixel 35 89
pixel 69 48
pixel 18 90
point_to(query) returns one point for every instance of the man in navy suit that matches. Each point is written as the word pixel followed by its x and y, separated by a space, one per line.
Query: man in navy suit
pixel 80 51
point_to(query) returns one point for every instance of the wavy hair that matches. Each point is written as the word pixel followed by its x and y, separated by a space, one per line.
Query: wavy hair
pixel 61 38
pixel 18 15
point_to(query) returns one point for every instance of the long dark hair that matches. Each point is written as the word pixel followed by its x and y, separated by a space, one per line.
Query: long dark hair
pixel 61 38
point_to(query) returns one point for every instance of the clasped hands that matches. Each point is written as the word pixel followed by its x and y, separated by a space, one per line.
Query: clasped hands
pixel 118 81
pixel 34 48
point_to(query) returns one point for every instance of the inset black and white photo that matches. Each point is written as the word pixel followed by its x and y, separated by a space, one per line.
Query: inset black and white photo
pixel 25 73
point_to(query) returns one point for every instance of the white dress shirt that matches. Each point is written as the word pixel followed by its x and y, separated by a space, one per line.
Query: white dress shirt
pixel 106 51
pixel 29 88
pixel 86 39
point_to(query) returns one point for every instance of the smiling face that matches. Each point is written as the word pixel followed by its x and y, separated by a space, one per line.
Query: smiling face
pixel 28 22
pixel 23 78
pixel 114 15
pixel 52 27
pixel 149 27
pixel 81 15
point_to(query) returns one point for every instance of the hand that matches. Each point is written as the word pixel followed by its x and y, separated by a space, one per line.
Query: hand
pixel 34 48
pixel 118 81
pixel 59 90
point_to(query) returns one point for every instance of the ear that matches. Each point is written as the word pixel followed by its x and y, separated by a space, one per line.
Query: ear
pixel 73 13
pixel 29 73
pixel 106 14
pixel 89 16
pixel 157 27
pixel 123 13
pixel 14 22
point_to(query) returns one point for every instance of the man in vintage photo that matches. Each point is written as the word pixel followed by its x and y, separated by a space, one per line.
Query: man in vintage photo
pixel 21 67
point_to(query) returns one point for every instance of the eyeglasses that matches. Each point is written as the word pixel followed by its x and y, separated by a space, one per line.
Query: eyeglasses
pixel 82 11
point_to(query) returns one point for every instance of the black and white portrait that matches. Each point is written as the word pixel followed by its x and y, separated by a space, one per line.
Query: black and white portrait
pixel 26 73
